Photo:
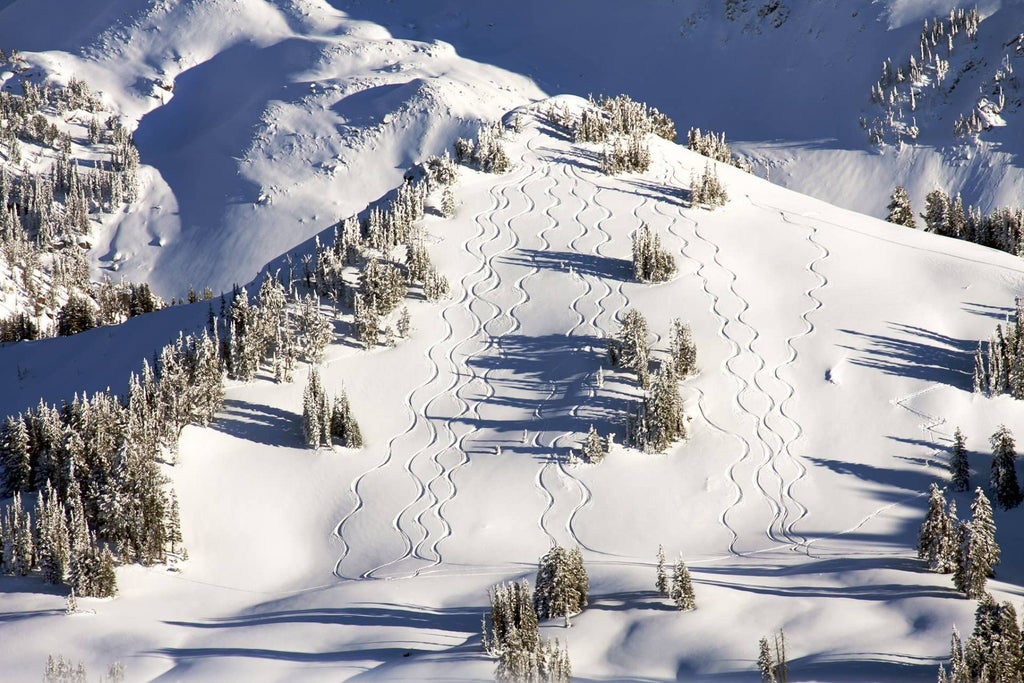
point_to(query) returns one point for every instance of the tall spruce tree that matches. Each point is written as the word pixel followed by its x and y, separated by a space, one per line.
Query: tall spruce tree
pixel 629 348
pixel 682 587
pixel 937 539
pixel 900 212
pixel 1004 471
pixel 562 586
pixel 661 582
pixel 316 414
pixel 979 552
pixel 959 468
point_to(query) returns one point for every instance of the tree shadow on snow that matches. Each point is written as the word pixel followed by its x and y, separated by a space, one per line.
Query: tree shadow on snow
pixel 463 623
pixel 585 264
pixel 552 375
pixel 918 353
pixel 259 423
pixel 998 313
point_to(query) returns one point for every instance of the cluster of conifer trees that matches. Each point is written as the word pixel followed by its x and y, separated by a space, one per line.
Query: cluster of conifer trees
pixel 706 189
pixel 993 653
pixel 680 588
pixel 94 468
pixel 900 90
pixel 45 216
pixel 621 124
pixel 967 550
pixel 370 264
pixel 323 420
pixel 999 364
pixel 1003 229
pixel 715 148
pixel 512 633
pixel 651 261
pixel 486 152
pixel 659 419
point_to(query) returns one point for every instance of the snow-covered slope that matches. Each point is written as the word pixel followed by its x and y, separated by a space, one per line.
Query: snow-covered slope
pixel 835 350
pixel 834 355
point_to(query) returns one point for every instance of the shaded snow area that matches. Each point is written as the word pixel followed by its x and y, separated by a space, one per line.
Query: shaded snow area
pixel 835 351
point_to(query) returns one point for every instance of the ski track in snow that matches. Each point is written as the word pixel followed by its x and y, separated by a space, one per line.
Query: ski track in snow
pixel 464 369
pixel 468 284
pixel 786 491
pixel 492 341
pixel 736 350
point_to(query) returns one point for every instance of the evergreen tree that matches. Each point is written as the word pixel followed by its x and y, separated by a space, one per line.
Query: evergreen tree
pixel 937 539
pixel 661 582
pixel 1004 472
pixel 765 662
pixel 316 416
pixel 75 316
pixel 683 349
pixel 707 190
pixel 900 212
pixel 682 587
pixel 15 456
pixel 343 423
pixel 562 584
pixel 981 378
pixel 659 420
pixel 979 552
pixel 594 447
pixel 959 468
pixel 313 329
pixel 629 349
pixel 936 212
pixel 993 652
pixel 447 203
pixel 513 619
pixel 651 262
pixel 959 671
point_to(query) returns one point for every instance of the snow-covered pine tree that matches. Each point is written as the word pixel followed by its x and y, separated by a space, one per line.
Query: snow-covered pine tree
pixel 366 321
pixel 936 212
pixel 993 652
pixel 562 584
pixel 1004 471
pixel 52 547
pixel 659 420
pixel 979 552
pixel 958 670
pixel 343 423
pixel 435 285
pixel 765 662
pixel 959 468
pixel 707 190
pixel 447 202
pixel 628 347
pixel 313 329
pixel 316 417
pixel 651 262
pixel 404 323
pixel 899 208
pixel 937 538
pixel 594 447
pixel 14 456
pixel 661 580
pixel 513 619
pixel 682 587
pixel 683 349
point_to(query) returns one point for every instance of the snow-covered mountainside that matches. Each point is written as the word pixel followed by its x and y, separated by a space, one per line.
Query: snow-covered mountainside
pixel 835 351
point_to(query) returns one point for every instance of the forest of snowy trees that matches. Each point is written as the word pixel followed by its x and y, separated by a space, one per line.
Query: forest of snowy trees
pixel 45 214
pixel 904 88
